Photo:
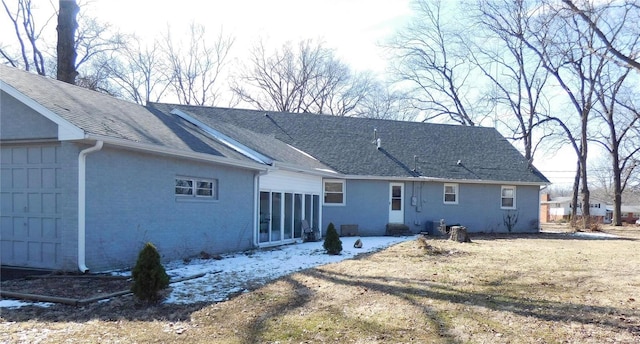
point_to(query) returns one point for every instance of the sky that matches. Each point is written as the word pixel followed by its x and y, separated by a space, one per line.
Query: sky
pixel 355 29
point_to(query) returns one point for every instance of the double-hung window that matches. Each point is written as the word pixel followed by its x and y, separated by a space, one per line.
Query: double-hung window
pixel 334 191
pixel 508 197
pixel 196 187
pixel 450 193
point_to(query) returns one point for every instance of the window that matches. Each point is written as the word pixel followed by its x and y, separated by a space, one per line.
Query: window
pixel 202 188
pixel 508 196
pixel 451 193
pixel 334 192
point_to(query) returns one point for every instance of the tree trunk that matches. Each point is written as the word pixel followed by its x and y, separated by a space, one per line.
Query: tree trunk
pixel 586 210
pixel 574 198
pixel 617 182
pixel 66 50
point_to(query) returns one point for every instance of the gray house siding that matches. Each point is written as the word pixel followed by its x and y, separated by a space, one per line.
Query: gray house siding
pixel 19 122
pixel 131 200
pixel 478 209
pixel 366 204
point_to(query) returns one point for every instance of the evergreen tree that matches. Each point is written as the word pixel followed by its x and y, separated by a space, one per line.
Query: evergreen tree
pixel 332 242
pixel 149 276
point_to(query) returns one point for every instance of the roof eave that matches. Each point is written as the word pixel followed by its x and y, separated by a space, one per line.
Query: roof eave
pixel 151 148
pixel 309 170
pixel 444 180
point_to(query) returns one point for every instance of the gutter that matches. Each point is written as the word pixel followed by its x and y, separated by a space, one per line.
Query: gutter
pixel 156 149
pixel 441 180
pixel 82 180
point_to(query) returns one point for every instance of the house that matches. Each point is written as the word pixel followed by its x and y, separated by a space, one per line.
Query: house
pixel 558 209
pixel 87 178
pixel 630 213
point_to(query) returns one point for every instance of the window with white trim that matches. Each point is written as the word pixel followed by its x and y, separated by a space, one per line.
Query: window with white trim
pixel 450 193
pixel 508 197
pixel 196 187
pixel 334 191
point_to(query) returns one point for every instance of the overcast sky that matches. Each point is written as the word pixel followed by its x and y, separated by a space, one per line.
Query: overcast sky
pixel 354 28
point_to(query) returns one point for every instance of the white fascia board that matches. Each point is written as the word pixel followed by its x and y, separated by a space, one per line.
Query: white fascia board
pixel 310 171
pixel 302 152
pixel 66 130
pixel 443 180
pixel 150 148
pixel 226 140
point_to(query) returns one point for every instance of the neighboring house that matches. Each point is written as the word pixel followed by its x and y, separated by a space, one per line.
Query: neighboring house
pixel 630 213
pixel 86 178
pixel 558 209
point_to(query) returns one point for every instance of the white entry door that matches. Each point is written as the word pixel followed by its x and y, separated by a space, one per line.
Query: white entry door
pixel 396 203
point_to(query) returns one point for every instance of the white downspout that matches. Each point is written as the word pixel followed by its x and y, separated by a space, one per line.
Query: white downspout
pixel 82 165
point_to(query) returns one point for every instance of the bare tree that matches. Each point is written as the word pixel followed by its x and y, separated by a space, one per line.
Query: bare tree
pixel 337 91
pixel 66 49
pixel 28 34
pixel 630 15
pixel 139 71
pixel 97 44
pixel 195 68
pixel 517 75
pixel 619 136
pixel 276 82
pixel 383 102
pixel 86 51
pixel 431 60
pixel 557 39
pixel 306 77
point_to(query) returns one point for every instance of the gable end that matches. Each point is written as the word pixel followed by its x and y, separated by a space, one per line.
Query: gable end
pixel 65 131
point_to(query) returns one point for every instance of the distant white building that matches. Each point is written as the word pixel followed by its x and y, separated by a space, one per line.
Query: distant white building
pixel 559 209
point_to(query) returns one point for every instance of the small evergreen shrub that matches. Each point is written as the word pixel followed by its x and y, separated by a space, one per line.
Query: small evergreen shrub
pixel 332 243
pixel 149 276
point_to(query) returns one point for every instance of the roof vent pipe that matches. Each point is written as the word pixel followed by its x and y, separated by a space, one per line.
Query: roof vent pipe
pixel 378 143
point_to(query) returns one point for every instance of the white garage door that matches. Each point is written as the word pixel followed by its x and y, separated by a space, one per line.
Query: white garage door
pixel 30 208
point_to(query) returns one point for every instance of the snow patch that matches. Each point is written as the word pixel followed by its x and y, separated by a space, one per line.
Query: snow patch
pixel 225 277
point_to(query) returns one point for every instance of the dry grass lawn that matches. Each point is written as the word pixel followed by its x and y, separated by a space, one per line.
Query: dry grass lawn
pixel 546 288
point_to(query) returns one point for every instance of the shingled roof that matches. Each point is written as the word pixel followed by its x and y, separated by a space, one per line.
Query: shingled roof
pixel 102 116
pixel 342 145
pixel 346 144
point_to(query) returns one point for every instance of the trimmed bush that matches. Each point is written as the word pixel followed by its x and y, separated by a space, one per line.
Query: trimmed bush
pixel 149 276
pixel 332 243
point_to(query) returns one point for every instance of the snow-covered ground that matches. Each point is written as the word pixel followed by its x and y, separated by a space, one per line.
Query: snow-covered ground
pixel 226 277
